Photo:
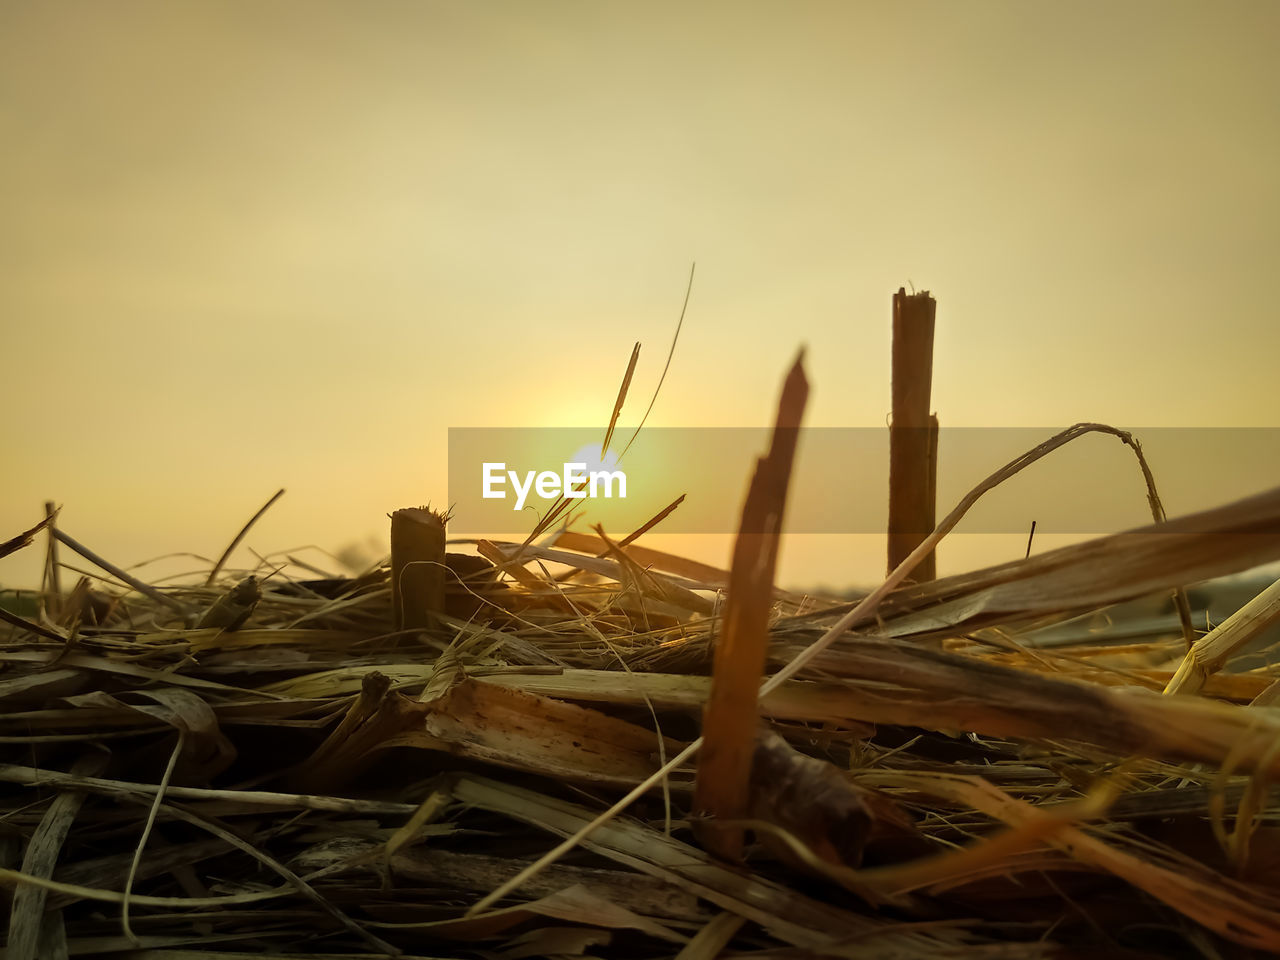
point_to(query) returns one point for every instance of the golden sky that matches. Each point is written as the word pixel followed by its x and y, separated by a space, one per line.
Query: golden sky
pixel 292 242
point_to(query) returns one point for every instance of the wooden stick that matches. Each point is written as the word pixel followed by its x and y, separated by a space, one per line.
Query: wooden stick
pixel 145 589
pixel 911 488
pixel 732 716
pixel 417 567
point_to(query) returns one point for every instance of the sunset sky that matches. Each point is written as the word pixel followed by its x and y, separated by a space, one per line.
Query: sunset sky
pixel 290 243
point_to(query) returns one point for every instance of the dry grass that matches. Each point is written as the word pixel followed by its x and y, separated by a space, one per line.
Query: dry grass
pixel 313 782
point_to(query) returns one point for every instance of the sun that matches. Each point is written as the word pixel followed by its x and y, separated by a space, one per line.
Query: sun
pixel 590 455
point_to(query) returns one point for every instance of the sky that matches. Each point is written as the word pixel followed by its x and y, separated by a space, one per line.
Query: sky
pixel 291 243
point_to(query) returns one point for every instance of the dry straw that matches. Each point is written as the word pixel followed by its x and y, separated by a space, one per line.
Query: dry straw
pixel 494 754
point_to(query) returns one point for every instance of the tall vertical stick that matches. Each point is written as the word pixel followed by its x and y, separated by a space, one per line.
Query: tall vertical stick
pixel 52 592
pixel 733 715
pixel 913 433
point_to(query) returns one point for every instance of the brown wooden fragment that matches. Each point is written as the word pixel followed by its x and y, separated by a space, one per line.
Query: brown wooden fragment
pixel 731 720
pixel 817 803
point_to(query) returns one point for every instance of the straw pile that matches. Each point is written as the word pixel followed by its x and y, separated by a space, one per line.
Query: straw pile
pixel 336 767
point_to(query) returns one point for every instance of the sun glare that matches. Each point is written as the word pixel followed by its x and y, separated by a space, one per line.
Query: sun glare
pixel 589 454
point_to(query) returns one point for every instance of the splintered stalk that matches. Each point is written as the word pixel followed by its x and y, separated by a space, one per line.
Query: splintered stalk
pixel 1211 652
pixel 732 716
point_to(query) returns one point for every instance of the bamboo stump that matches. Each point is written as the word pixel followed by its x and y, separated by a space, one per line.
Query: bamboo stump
pixel 417 568
pixel 913 433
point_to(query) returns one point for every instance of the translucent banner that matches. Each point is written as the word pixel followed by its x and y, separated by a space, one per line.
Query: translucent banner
pixel 502 479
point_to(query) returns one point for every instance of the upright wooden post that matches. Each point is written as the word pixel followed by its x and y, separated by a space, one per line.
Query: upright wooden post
pixel 913 433
pixel 417 567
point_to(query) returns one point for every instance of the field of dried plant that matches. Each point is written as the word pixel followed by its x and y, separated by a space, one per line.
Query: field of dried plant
pixel 577 745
